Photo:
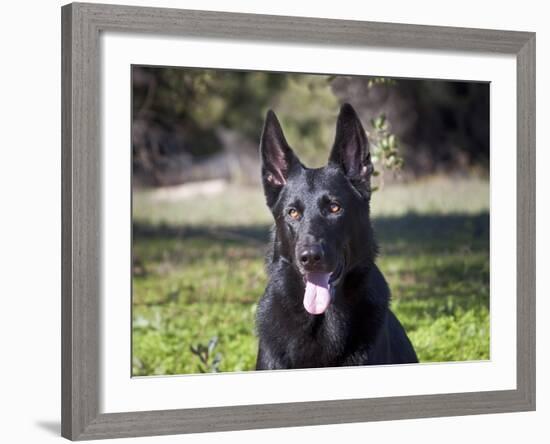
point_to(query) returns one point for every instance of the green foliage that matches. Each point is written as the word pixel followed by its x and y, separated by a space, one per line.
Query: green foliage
pixel 311 130
pixel 384 149
pixel 182 117
pixel 194 280
pixel 200 101
pixel 380 81
pixel 208 361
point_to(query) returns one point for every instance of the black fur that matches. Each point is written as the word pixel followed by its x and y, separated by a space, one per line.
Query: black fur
pixel 358 327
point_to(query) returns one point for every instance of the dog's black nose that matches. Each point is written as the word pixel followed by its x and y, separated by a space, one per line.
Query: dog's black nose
pixel 311 256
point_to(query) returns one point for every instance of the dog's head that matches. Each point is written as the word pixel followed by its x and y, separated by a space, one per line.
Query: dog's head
pixel 322 214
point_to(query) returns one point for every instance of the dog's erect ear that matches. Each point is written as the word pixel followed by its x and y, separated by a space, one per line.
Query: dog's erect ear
pixel 277 158
pixel 351 149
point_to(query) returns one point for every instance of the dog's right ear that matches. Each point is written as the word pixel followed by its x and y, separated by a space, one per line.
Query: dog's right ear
pixel 277 158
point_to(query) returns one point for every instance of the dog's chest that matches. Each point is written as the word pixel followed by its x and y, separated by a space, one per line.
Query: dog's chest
pixel 317 343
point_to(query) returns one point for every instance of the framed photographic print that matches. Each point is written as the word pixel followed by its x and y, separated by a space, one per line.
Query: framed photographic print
pixel 277 221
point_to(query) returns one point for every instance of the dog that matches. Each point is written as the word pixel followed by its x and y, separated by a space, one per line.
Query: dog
pixel 326 303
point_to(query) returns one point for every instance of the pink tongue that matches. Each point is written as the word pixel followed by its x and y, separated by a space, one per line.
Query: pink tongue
pixel 317 295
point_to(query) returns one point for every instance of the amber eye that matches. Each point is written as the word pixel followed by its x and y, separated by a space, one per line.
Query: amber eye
pixel 334 208
pixel 294 213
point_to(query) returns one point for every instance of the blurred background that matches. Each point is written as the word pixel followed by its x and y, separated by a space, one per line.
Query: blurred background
pixel 200 224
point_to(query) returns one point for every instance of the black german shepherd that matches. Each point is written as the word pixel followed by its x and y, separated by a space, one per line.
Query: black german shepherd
pixel 326 303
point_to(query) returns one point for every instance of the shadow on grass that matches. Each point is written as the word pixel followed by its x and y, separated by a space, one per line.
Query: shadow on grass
pixel 406 234
pixel 254 234
pixel 414 233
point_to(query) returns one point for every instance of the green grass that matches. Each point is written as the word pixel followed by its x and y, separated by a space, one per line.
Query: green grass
pixel 199 272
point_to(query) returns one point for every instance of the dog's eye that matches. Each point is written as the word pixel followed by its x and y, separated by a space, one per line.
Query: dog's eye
pixel 334 208
pixel 294 213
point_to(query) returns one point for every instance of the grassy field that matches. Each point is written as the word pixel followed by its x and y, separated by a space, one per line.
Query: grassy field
pixel 198 273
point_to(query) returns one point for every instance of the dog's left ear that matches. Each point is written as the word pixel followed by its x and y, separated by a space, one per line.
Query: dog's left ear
pixel 351 149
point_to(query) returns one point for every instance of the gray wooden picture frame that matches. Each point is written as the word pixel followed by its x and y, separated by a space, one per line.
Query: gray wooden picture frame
pixel 81 231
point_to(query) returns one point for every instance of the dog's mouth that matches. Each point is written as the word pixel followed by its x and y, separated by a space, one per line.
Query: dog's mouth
pixel 320 289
